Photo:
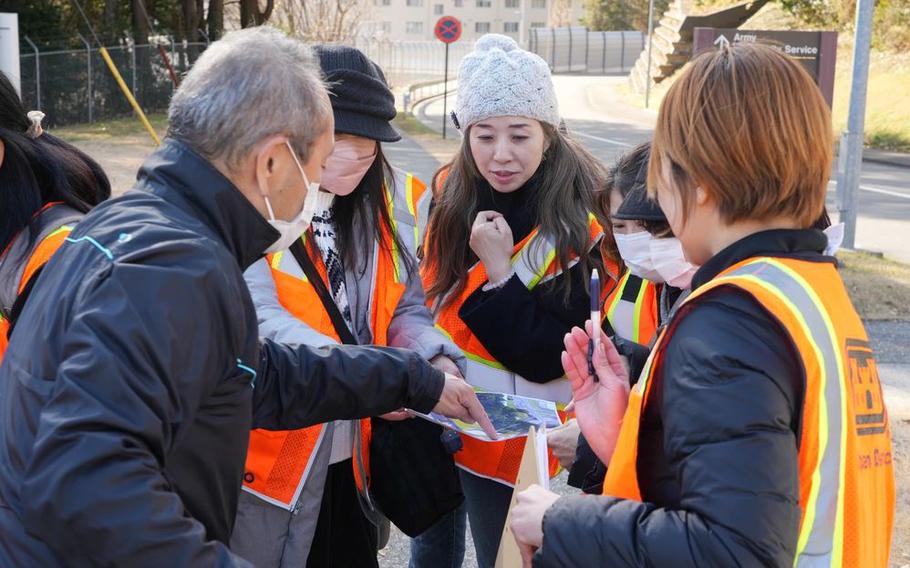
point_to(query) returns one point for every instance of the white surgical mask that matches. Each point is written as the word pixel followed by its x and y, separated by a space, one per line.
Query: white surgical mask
pixel 635 250
pixel 291 230
pixel 670 262
pixel 835 234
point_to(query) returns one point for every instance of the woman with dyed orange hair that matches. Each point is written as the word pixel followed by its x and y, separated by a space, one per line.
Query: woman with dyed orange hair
pixel 757 433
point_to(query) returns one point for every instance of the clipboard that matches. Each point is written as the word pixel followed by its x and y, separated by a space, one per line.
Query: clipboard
pixel 534 468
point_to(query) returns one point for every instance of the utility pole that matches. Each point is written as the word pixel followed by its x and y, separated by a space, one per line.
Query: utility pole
pixel 850 158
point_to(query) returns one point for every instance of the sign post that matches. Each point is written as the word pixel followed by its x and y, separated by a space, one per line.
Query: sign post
pixel 447 30
pixel 816 51
pixel 850 153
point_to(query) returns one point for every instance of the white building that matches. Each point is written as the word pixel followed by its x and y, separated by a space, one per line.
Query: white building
pixel 414 20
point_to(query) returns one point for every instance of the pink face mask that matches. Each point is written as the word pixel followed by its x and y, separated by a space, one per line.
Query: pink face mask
pixel 347 164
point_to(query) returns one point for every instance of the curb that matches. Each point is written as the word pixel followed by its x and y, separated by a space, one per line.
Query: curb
pixel 888 158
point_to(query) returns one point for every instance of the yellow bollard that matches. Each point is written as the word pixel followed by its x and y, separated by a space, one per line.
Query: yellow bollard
pixel 129 95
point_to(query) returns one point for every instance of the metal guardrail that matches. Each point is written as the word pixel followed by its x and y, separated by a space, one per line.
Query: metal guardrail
pixel 424 90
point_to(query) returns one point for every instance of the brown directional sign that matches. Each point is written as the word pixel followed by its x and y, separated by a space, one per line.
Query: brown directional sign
pixel 817 51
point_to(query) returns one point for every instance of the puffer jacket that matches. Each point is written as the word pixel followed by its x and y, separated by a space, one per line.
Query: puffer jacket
pixel 718 443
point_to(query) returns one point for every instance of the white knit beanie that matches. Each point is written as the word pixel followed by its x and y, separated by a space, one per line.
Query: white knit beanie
pixel 499 78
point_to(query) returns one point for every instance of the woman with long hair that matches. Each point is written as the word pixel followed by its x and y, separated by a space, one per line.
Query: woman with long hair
pixel 46 185
pixel 305 493
pixel 510 248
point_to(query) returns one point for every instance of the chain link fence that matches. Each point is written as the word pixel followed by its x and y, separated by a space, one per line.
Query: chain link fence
pixel 578 50
pixel 76 86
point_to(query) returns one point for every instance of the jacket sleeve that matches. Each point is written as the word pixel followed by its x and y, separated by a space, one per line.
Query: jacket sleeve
pixel 520 331
pixel 587 472
pixel 412 326
pixel 729 397
pixel 132 377
pixel 275 322
pixel 302 385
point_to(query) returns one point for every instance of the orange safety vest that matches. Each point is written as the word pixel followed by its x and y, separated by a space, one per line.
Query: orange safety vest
pixel 631 309
pixel 846 477
pixel 534 261
pixel 278 462
pixel 42 253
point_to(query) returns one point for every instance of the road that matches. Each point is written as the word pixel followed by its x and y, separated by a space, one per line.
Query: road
pixel 608 126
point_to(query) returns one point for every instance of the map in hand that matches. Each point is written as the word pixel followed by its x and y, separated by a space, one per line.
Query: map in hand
pixel 511 415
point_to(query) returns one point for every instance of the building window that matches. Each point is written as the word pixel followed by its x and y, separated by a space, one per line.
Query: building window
pixel 482 27
pixel 413 27
pixel 459 3
pixel 415 2
pixel 437 9
pixel 539 4
pixel 538 25
pixel 510 27
pixel 385 27
pixel 513 4
pixel 484 3
pixel 382 2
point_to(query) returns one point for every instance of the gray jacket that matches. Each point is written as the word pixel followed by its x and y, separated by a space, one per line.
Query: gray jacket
pixel 268 534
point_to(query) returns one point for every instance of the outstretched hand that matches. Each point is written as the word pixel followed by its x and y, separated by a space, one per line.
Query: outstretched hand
pixel 458 400
pixel 599 405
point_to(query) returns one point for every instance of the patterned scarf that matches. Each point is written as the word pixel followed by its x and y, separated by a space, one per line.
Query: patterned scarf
pixel 323 225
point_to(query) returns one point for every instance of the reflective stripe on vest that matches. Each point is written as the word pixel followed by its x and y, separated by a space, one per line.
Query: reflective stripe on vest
pixel 279 463
pixel 41 254
pixel 846 502
pixel 534 261
pixel 631 309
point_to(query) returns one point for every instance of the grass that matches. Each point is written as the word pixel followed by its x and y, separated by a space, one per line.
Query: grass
pixel 409 124
pixel 888 100
pixel 126 127
pixel 879 288
pixel 110 129
pixel 887 123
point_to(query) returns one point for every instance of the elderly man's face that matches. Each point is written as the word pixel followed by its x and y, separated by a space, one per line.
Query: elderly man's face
pixel 279 178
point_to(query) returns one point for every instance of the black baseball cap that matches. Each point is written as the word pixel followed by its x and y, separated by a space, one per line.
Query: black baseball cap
pixel 637 206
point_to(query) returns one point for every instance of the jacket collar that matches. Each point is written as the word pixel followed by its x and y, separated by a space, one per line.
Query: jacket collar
pixel 805 244
pixel 183 177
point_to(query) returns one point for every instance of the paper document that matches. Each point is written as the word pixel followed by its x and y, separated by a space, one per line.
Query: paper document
pixel 543 458
pixel 511 415
pixel 533 469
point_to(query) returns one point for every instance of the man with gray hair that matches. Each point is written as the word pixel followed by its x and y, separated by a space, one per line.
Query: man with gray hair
pixel 123 431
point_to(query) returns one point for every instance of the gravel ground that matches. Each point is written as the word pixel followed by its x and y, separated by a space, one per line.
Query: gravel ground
pixel 397 553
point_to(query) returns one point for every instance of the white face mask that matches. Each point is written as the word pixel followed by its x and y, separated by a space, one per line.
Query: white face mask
pixel 635 250
pixel 670 262
pixel 835 234
pixel 291 230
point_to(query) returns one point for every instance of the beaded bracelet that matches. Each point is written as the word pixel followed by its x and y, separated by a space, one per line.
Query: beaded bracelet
pixel 500 283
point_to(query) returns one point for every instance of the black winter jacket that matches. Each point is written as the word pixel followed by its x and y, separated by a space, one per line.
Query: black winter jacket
pixel 135 374
pixel 718 445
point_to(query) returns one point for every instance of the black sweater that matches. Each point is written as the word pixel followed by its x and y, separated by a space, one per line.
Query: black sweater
pixel 524 329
